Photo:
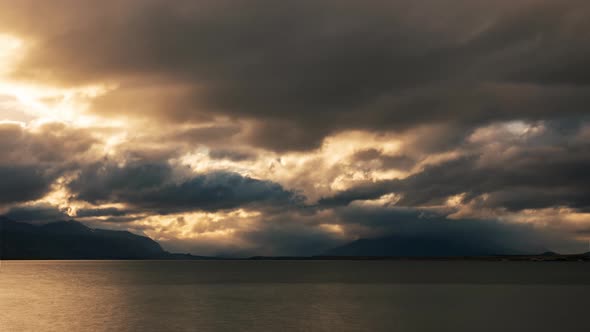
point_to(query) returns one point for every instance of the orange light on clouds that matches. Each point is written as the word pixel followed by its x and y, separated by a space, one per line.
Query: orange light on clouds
pixel 10 50
pixel 43 102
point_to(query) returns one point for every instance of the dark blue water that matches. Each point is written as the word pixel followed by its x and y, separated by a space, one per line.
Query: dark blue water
pixel 293 296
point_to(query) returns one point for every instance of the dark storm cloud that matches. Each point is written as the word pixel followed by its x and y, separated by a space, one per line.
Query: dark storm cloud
pixel 503 171
pixel 101 181
pixel 23 183
pixel 536 178
pixel 49 143
pixel 100 212
pixel 32 159
pixel 303 70
pixel 157 187
pixel 37 213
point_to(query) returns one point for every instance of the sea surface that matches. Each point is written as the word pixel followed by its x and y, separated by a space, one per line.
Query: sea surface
pixel 294 296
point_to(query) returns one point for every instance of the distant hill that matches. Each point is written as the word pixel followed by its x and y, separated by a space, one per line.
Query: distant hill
pixel 73 240
pixel 414 246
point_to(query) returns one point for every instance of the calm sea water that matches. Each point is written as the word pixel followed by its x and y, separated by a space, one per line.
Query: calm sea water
pixel 293 296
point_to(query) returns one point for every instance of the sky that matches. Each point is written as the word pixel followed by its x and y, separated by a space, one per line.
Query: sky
pixel 292 127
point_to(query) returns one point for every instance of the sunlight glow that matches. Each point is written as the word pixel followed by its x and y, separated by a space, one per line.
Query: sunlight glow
pixel 53 104
pixel 10 51
pixel 45 103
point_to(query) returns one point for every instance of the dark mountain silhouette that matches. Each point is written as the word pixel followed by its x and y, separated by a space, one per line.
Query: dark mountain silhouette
pixel 73 240
pixel 415 246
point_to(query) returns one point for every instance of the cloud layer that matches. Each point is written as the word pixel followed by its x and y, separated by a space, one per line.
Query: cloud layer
pixel 153 186
pixel 260 128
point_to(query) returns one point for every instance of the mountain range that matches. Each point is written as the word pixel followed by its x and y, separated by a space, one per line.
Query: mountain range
pixel 74 240
pixel 416 246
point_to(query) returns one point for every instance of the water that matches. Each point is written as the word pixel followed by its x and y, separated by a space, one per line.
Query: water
pixel 293 296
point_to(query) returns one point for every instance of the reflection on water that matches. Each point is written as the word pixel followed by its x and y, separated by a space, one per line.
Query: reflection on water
pixel 293 296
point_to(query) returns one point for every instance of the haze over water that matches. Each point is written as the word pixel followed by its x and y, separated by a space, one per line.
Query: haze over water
pixel 293 296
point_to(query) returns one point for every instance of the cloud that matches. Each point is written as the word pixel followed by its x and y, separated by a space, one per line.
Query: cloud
pixel 100 212
pixel 547 169
pixel 385 161
pixel 302 71
pixel 475 108
pixel 34 157
pixel 23 183
pixel 46 143
pixel 36 213
pixel 526 184
pixel 209 134
pixel 158 187
pixel 233 155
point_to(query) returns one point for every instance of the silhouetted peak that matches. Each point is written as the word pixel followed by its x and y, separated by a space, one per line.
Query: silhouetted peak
pixel 72 240
pixel 4 220
pixel 66 227
pixel 7 224
pixel 416 246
